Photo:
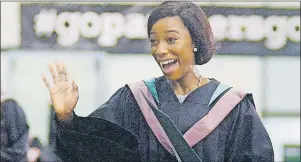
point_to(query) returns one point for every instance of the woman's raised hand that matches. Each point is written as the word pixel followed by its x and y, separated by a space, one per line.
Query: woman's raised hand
pixel 63 92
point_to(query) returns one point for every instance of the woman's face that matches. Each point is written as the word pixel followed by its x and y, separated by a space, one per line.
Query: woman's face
pixel 172 48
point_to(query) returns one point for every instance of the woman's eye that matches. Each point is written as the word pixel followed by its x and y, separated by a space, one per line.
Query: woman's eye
pixel 171 40
pixel 153 41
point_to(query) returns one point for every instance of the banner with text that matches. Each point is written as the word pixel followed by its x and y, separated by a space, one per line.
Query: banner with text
pixel 122 28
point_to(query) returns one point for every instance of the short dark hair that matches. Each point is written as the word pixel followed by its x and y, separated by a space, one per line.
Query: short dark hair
pixel 195 21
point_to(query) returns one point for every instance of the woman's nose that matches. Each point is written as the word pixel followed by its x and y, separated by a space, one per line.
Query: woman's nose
pixel 162 49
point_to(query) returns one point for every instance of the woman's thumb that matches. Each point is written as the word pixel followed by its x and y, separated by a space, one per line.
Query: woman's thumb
pixel 74 86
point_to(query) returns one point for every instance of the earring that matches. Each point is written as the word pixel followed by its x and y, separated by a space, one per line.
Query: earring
pixel 195 49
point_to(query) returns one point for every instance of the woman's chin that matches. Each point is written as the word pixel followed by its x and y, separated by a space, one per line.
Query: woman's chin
pixel 172 77
pixel 172 74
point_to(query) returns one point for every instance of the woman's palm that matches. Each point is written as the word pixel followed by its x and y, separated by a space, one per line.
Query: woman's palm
pixel 63 93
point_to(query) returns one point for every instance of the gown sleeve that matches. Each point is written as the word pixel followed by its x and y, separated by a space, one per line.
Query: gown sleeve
pixel 248 140
pixel 112 110
pixel 100 136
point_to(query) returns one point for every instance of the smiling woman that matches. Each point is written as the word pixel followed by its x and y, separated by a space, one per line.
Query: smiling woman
pixel 181 38
pixel 172 47
pixel 181 116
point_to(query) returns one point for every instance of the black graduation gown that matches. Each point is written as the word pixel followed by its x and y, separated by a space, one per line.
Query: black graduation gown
pixel 14 132
pixel 241 136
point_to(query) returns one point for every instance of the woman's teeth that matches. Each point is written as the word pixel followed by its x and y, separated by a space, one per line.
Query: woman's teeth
pixel 166 62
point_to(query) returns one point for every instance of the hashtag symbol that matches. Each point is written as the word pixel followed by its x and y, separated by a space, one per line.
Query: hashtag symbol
pixel 44 22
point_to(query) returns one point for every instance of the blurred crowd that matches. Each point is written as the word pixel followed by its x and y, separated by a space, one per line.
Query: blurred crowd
pixel 16 144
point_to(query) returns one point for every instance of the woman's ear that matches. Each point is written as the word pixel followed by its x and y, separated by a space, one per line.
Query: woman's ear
pixel 194 48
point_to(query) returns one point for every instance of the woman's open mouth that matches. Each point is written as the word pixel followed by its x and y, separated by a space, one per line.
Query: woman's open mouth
pixel 168 66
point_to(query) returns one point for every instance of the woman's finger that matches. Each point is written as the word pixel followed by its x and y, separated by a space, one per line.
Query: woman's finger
pixel 54 72
pixel 60 70
pixel 65 72
pixel 46 82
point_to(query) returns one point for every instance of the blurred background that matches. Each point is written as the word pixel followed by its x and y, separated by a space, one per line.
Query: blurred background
pixel 105 46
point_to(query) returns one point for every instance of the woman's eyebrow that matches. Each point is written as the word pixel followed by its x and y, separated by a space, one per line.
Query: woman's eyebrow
pixel 152 32
pixel 172 31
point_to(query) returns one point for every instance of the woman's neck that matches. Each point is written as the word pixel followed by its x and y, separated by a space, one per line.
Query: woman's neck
pixel 186 84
